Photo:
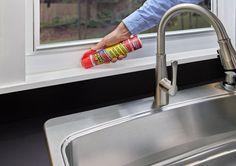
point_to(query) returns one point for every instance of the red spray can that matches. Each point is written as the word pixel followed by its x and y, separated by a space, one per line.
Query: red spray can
pixel 96 57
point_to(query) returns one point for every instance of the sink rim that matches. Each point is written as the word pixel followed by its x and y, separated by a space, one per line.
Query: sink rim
pixel 199 151
pixel 138 115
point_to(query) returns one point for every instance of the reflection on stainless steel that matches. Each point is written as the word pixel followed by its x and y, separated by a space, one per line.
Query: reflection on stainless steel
pixel 221 154
pixel 215 157
pixel 226 52
pixel 133 134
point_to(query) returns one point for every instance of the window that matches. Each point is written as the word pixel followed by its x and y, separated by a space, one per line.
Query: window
pixel 70 20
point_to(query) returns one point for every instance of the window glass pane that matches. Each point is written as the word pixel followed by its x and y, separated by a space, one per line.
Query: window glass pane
pixel 69 20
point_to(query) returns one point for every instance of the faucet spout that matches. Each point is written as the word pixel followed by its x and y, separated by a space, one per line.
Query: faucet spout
pixel 226 52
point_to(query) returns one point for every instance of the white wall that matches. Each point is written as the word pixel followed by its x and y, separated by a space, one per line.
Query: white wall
pixel 227 14
pixel 12 44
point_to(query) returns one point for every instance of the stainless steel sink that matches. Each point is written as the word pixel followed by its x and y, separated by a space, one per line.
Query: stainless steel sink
pixel 197 122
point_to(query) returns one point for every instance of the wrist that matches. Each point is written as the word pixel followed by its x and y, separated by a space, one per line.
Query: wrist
pixel 123 31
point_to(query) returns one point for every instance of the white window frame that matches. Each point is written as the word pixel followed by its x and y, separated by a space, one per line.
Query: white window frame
pixel 44 66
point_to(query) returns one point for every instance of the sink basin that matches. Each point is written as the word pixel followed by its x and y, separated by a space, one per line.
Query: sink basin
pixel 134 133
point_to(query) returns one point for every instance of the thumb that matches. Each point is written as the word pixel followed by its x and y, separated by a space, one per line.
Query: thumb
pixel 99 45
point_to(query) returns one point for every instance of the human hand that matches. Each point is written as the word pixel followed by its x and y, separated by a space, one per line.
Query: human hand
pixel 120 34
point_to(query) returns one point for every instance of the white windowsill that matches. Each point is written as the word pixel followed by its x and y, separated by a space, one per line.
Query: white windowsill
pixel 126 66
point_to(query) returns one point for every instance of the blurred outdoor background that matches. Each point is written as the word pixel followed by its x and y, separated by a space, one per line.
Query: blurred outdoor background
pixel 69 20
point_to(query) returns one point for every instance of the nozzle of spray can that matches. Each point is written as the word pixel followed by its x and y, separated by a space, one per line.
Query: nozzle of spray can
pixel 96 57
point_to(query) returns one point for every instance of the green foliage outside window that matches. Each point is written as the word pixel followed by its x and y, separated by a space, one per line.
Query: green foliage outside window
pixel 68 20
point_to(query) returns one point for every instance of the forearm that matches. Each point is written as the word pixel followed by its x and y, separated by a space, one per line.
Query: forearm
pixel 150 14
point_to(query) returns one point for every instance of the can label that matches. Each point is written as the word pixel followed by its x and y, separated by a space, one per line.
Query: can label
pixel 98 59
pixel 136 43
pixel 127 44
pixel 123 48
pixel 107 54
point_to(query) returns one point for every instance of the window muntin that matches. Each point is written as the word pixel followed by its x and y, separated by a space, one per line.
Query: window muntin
pixel 72 20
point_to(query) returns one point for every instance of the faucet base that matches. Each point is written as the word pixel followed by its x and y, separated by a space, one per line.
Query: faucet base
pixel 228 87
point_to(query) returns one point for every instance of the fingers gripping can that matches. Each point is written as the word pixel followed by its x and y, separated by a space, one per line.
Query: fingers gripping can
pixel 96 57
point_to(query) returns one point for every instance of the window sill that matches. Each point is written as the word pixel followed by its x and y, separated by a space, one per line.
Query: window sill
pixel 126 66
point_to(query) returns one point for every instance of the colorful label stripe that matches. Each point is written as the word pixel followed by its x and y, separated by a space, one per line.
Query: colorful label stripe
pixel 107 54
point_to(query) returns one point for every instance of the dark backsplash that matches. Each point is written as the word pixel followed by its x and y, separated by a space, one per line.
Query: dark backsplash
pixel 85 95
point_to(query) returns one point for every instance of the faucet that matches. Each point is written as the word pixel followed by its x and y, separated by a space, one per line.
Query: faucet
pixel 227 54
